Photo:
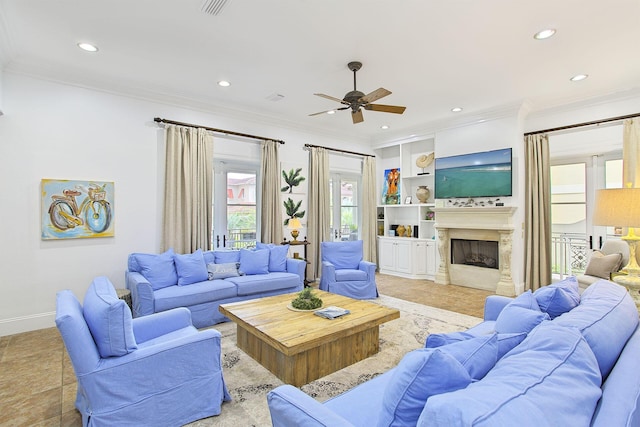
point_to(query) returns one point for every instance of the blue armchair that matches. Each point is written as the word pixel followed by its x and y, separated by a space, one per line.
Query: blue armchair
pixel 154 370
pixel 345 273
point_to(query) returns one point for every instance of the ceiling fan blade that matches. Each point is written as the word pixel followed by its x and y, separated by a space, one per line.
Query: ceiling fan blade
pixel 385 108
pixel 375 95
pixel 331 98
pixel 357 116
pixel 328 111
pixel 321 112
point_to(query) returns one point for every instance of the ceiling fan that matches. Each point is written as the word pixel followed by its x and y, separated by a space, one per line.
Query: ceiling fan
pixel 356 100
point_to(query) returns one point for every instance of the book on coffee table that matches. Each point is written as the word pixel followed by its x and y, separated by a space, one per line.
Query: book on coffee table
pixel 331 312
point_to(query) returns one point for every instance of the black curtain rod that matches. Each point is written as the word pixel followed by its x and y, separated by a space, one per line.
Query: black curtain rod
pixel 227 132
pixel 578 125
pixel 338 150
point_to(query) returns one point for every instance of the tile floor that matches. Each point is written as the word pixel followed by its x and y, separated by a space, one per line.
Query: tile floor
pixel 38 386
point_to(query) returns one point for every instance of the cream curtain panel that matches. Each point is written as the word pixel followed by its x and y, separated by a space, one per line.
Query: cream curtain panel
pixel 631 152
pixel 270 212
pixel 369 217
pixel 319 214
pixel 188 192
pixel 538 212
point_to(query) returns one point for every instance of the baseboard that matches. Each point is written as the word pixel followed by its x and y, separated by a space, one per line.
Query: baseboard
pixel 17 325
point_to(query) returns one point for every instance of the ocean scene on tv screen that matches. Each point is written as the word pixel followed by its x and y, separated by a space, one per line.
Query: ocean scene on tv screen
pixel 485 174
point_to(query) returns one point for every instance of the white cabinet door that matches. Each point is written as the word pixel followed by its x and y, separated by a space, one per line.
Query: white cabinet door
pixel 387 255
pixel 403 256
pixel 419 260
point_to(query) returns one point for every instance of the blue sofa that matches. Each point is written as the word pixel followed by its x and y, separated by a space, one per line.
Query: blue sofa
pixel 203 280
pixel 551 358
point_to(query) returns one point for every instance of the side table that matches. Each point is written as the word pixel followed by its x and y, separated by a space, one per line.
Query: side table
pixel 304 243
pixel 125 295
pixel 623 279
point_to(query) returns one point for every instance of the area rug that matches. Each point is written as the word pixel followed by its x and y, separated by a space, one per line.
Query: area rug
pixel 248 382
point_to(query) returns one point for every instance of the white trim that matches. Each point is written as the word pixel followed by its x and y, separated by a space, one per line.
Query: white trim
pixel 16 325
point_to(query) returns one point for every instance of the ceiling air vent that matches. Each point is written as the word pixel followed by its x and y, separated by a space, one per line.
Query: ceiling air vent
pixel 213 7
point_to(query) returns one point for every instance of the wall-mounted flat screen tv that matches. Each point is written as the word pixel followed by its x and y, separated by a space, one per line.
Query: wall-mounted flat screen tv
pixel 484 174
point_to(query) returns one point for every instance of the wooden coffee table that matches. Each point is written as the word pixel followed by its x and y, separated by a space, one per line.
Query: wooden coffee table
pixel 299 347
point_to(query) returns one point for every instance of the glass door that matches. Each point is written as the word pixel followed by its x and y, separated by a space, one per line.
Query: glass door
pixel 235 213
pixel 573 188
pixel 345 214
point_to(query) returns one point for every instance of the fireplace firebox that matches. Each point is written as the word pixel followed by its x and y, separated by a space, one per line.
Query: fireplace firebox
pixel 478 253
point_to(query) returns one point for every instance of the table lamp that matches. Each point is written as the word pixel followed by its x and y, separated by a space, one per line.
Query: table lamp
pixel 621 207
pixel 294 225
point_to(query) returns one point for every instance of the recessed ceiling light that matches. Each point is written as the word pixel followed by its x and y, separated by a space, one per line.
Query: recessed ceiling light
pixel 384 127
pixel 331 112
pixel 88 47
pixel 579 77
pixel 456 109
pixel 224 83
pixel 544 34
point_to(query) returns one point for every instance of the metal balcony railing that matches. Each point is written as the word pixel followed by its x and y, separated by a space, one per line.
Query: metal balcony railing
pixel 241 238
pixel 569 252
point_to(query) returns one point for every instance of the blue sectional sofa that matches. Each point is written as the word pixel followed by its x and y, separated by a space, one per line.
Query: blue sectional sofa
pixel 551 358
pixel 203 280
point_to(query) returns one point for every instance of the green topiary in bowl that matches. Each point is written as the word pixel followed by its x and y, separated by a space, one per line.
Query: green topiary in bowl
pixel 306 300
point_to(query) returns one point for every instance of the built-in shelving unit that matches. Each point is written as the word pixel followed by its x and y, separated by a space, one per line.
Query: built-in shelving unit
pixel 414 256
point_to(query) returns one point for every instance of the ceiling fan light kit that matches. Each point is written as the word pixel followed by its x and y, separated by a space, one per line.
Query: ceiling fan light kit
pixel 356 100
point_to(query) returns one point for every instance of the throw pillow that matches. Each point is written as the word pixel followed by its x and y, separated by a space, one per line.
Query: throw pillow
pixel 419 375
pixel 254 262
pixel 277 255
pixel 601 265
pixel 506 342
pixel 558 297
pixel 223 257
pixel 222 271
pixel 109 319
pixel 478 355
pixel 191 268
pixel 159 270
pixel 438 340
pixel 525 300
pixel 514 319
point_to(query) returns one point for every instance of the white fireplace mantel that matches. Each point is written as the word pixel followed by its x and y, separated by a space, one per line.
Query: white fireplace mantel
pixel 493 218
pixel 491 223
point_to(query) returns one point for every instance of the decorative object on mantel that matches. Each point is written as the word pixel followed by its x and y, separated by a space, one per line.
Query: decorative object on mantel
pixel 423 161
pixel 473 202
pixel 305 300
pixel 422 193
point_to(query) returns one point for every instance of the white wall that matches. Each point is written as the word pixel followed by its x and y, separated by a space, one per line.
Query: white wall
pixel 53 130
pixel 504 132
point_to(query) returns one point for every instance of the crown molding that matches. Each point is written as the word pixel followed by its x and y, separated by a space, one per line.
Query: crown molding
pixel 429 129
pixel 593 101
pixel 163 96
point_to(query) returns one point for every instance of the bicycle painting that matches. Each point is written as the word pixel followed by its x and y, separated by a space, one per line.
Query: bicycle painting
pixel 76 209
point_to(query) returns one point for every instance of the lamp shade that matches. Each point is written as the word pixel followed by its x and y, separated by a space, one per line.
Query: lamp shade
pixel 618 207
pixel 294 224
